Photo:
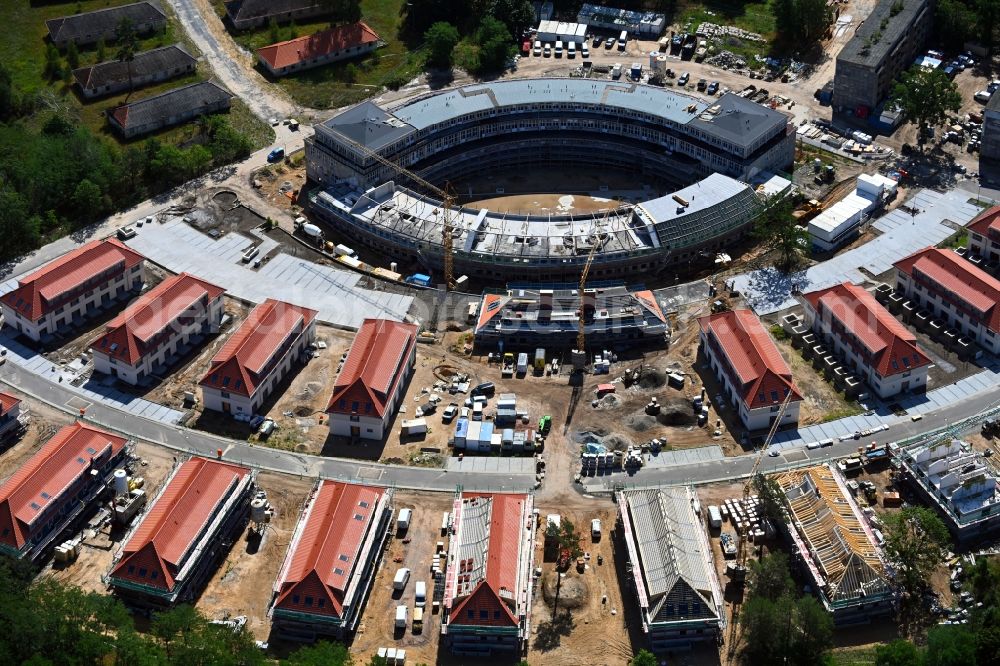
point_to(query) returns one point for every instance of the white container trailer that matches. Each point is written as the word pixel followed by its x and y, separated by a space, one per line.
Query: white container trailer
pixel 401 615
pixel 522 363
pixel 414 427
pixel 714 517
pixel 403 520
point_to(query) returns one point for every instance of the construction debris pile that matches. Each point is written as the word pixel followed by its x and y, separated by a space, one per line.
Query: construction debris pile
pixel 727 60
pixel 713 31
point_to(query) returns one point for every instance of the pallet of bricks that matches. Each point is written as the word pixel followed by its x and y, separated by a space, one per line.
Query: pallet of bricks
pixel 748 513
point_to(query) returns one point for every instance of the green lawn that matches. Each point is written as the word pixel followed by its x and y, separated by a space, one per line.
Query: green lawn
pixel 329 86
pixel 22 51
pixel 863 656
pixel 752 16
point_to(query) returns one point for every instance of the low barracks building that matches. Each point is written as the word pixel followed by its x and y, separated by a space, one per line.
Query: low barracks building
pixel 77 285
pixel 158 327
pixel 755 377
pixel 257 357
pixel 338 43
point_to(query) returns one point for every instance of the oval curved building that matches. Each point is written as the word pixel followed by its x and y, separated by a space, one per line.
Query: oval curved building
pixel 707 150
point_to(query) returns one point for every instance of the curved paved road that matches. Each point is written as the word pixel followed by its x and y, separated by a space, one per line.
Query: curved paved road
pixel 287 462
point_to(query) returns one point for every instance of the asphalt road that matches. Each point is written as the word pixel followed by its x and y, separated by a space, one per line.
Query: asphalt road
pixel 185 440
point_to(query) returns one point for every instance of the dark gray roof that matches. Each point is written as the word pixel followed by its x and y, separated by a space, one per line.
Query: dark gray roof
pixel 896 30
pixel 738 120
pixel 145 63
pixel 369 125
pixel 994 103
pixel 69 28
pixel 159 107
pixel 250 9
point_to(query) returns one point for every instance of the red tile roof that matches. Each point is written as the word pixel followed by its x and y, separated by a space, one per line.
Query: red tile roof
pixel 501 566
pixel 47 474
pixel 960 278
pixel 8 402
pixel 239 365
pixel 127 337
pixel 188 503
pixel 988 220
pixel 373 368
pixel 36 293
pixel 327 550
pixel 492 305
pixel 892 346
pixel 763 376
pixel 284 54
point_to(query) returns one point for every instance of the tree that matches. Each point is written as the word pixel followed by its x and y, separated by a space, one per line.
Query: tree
pixel 128 46
pixel 53 63
pixel 643 658
pixel 422 14
pixel 8 95
pixel 441 39
pixel 954 23
pixel 770 497
pixel 915 542
pixel 566 536
pixel 780 231
pixel 102 50
pixel 950 645
pixel 344 11
pixel 769 577
pixel 926 96
pixel 801 22
pixel 898 653
pixel 323 653
pixel 517 15
pixel 987 14
pixel 72 56
pixel 87 199
pixel 273 31
pixel 495 44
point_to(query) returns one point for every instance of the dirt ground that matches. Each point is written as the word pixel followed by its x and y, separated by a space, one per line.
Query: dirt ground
pixel 556 204
pixel 592 626
pixel 376 627
pixel 43 422
pixel 242 584
pixel 99 546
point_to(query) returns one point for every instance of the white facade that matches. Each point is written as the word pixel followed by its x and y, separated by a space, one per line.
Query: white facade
pixel 550 31
pixel 882 386
pixel 8 419
pixel 756 419
pixel 82 304
pixel 374 427
pixel 837 224
pixel 235 403
pixel 970 327
pixel 204 321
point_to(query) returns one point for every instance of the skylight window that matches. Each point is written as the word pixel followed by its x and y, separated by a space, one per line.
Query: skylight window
pixel 91 450
pixel 35 506
pixel 339 572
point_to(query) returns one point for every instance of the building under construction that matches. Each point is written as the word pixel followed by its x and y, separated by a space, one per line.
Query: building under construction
pixel 670 568
pixel 549 316
pixel 835 545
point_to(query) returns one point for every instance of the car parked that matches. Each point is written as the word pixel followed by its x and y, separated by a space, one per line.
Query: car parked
pixel 683 79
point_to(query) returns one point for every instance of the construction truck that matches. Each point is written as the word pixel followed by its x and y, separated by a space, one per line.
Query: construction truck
pixel 507 365
pixel 807 211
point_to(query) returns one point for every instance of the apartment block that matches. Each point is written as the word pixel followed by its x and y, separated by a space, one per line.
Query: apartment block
pixel 984 233
pixel 955 291
pixel 874 344
pixel 371 383
pixel 755 377
pixel 162 325
pixel 331 563
pixel 169 556
pixel 50 494
pixel 80 284
pixel 257 357
pixel 883 46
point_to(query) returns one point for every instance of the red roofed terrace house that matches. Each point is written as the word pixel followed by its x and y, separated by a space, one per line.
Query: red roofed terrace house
pixel 984 235
pixel 338 43
pixel 162 324
pixel 257 357
pixel 168 557
pixel 871 340
pixel 371 384
pixel 955 291
pixel 331 562
pixel 10 412
pixel 59 296
pixel 50 494
pixel 755 377
pixel 487 593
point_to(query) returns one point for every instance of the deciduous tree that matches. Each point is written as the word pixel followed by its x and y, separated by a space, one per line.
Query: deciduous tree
pixel 441 39
pixel 926 96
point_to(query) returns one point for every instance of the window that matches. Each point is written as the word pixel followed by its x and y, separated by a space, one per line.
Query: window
pixel 295 598
pixel 309 601
pixel 142 572
pixel 471 614
pixel 154 574
pixel 484 615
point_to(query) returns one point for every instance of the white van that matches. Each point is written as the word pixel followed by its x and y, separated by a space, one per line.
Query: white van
pixel 571 50
pixel 401 614
pixel 403 521
pixel 420 594
pixel 595 529
pixel 537 51
pixel 402 576
pixel 622 40
pixel 559 48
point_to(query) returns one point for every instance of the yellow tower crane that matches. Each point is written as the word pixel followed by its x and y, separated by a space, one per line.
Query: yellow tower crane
pixel 447 201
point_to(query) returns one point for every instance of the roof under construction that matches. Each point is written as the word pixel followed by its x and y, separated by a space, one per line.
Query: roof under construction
pixel 676 581
pixel 833 538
